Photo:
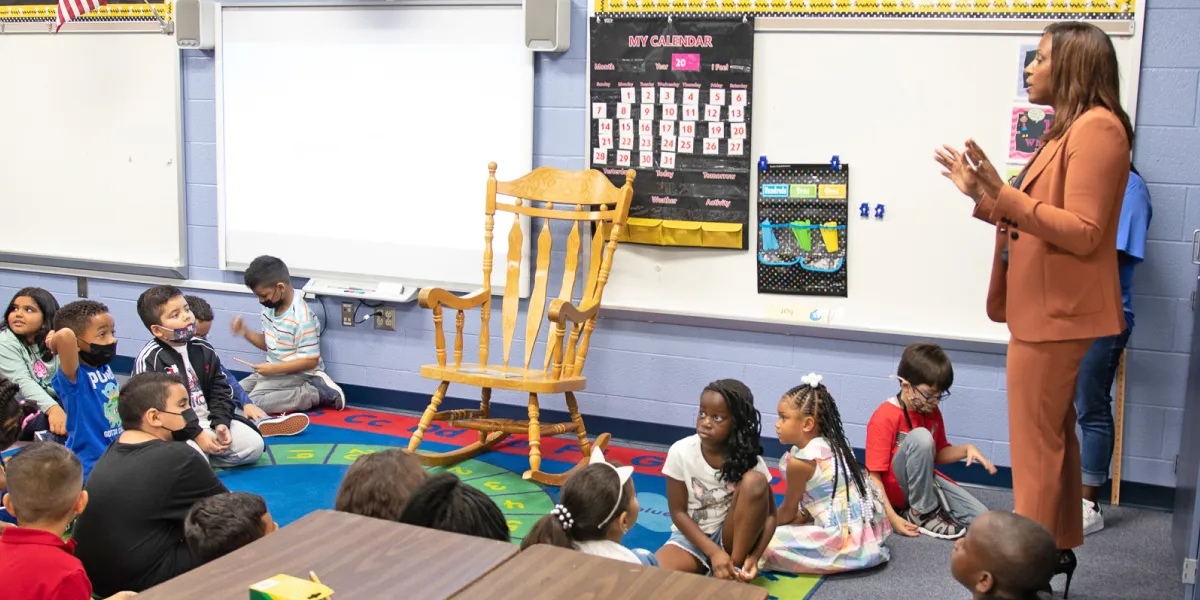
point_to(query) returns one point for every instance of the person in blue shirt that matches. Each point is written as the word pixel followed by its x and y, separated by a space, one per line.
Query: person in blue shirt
pixel 1093 395
pixel 85 341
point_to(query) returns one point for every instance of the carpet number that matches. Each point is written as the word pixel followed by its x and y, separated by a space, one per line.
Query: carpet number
pixel 513 524
pixel 355 453
pixel 495 486
pixel 300 453
pixel 460 471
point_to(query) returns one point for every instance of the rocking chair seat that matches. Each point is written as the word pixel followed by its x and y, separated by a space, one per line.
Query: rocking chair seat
pixel 537 381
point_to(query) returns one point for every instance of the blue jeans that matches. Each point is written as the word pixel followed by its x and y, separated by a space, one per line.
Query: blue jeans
pixel 1093 401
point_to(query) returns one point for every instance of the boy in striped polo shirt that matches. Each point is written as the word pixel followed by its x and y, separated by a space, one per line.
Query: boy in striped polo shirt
pixel 293 378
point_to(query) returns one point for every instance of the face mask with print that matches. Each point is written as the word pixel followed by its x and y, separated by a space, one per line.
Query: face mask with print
pixel 189 419
pixel 99 355
pixel 181 334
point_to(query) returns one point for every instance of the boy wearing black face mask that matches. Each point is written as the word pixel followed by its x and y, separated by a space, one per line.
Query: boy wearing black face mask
pixel 131 537
pixel 293 379
pixel 84 339
pixel 227 439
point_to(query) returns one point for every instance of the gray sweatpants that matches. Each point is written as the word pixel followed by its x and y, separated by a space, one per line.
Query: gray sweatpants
pixel 276 394
pixel 245 449
pixel 913 466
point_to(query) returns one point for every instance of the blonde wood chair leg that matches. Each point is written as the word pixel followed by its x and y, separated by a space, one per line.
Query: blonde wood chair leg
pixel 535 435
pixel 427 417
pixel 1118 431
pixel 485 410
pixel 584 445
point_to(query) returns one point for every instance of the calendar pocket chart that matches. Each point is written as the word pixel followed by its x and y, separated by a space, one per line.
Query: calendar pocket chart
pixel 671 98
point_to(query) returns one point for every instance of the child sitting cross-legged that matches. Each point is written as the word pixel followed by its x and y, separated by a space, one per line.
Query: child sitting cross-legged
pixel 380 484
pixel 218 525
pixel 293 378
pixel 45 482
pixel 445 503
pixel 596 507
pixel 719 489
pixel 1005 556
pixel 141 490
pixel 268 426
pixel 227 439
pixel 831 519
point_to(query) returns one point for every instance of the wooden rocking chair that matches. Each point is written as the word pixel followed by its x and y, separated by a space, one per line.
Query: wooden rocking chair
pixel 589 198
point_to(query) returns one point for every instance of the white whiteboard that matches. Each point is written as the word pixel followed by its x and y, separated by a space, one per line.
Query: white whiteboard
pixel 886 101
pixel 354 141
pixel 91 144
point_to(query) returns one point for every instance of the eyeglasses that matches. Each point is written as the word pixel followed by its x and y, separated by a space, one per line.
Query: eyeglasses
pixel 929 398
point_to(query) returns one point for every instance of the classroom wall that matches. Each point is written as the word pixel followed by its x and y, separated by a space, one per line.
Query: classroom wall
pixel 654 372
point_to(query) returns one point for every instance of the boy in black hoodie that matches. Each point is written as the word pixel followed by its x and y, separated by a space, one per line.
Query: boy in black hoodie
pixel 228 439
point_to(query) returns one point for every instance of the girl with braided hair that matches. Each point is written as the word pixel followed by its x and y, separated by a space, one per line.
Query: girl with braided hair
pixel 831 520
pixel 10 427
pixel 596 507
pixel 719 489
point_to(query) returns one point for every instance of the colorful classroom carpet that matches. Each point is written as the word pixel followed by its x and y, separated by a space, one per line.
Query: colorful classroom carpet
pixel 324 451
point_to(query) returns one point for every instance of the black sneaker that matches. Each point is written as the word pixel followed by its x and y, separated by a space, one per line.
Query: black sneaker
pixel 936 524
pixel 328 392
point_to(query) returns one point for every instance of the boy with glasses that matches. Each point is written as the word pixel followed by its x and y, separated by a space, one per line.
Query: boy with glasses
pixel 906 439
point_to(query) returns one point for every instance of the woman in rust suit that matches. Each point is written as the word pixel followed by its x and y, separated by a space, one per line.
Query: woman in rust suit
pixel 1054 271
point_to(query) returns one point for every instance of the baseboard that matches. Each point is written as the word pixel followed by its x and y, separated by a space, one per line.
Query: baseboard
pixel 1141 495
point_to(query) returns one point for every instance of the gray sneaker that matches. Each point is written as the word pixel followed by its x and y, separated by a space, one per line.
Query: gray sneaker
pixel 328 392
pixel 936 524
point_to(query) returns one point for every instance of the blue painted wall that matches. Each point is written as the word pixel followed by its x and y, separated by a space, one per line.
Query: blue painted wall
pixel 653 373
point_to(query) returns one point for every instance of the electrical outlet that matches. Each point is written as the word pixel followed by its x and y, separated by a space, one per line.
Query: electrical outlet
pixel 347 314
pixel 386 319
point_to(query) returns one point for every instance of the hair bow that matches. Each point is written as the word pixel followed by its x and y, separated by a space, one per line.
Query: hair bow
pixel 812 380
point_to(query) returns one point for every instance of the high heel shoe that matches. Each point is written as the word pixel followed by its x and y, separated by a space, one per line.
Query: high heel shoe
pixel 1066 565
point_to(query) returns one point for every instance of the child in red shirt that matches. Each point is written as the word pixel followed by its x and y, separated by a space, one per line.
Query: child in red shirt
pixel 45 492
pixel 906 438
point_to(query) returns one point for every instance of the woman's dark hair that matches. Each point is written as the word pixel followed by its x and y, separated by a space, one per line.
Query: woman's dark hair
pixel 1083 75
pixel 818 403
pixel 589 496
pixel 11 414
pixel 444 502
pixel 380 484
pixel 46 303
pixel 743 447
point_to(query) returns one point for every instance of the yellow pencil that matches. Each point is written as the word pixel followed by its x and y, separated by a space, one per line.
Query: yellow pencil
pixel 313 575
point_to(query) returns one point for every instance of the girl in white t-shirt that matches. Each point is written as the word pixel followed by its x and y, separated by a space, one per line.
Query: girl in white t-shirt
pixel 596 507
pixel 719 489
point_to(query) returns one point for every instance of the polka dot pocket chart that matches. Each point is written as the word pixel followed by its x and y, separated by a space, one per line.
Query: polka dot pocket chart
pixel 802 235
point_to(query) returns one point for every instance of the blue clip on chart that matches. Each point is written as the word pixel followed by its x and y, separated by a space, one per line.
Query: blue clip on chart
pixel 803 211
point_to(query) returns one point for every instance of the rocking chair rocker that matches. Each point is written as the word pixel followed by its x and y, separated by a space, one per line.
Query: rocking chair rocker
pixel 589 197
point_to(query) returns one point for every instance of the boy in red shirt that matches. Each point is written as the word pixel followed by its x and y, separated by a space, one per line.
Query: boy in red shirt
pixel 906 438
pixel 45 492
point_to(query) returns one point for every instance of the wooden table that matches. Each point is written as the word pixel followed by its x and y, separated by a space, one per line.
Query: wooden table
pixel 358 557
pixel 551 573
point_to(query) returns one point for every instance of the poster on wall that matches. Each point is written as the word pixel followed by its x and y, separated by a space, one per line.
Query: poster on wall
pixel 671 98
pixel 802 241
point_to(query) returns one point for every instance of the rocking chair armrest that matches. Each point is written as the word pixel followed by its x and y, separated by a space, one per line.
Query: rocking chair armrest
pixel 433 297
pixel 561 311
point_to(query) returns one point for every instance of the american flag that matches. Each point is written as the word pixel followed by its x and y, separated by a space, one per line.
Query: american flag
pixel 69 10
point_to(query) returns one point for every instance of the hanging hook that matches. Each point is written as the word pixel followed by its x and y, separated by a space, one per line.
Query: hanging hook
pixel 744 19
pixel 670 19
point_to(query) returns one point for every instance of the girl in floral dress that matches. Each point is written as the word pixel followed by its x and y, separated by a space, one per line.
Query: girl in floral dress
pixel 831 520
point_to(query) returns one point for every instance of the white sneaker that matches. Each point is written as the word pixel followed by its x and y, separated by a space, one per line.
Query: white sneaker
pixel 1093 520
